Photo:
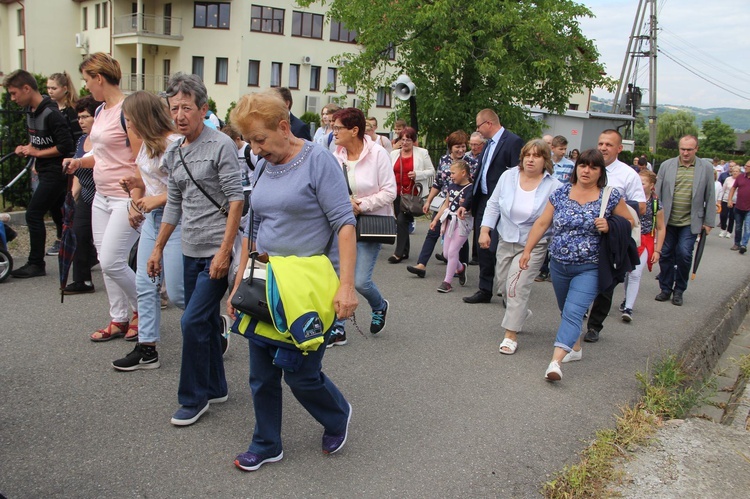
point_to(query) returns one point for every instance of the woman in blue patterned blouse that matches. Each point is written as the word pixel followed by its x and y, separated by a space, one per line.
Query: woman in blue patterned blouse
pixel 573 211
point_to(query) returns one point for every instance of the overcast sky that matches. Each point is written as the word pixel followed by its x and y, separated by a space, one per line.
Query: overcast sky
pixel 711 37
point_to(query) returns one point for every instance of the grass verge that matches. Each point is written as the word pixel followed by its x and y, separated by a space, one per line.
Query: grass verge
pixel 668 393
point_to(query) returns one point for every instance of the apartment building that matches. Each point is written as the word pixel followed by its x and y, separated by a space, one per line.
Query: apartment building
pixel 236 46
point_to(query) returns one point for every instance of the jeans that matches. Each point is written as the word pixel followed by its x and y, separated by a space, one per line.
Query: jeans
pixel 726 217
pixel 403 220
pixel 740 216
pixel 430 241
pixel 677 250
pixel 575 288
pixel 149 299
pixel 85 253
pixel 114 238
pixel 202 370
pixel 48 196
pixel 367 256
pixel 314 391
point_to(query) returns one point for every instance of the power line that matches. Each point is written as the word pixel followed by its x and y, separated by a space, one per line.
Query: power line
pixel 665 54
pixel 709 64
pixel 706 54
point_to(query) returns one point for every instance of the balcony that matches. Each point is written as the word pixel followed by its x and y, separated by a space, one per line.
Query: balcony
pixel 149 26
pixel 150 82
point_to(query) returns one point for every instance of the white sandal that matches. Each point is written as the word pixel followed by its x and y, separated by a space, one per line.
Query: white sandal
pixel 511 345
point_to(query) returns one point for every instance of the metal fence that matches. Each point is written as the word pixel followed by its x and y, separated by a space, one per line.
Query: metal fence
pixel 145 24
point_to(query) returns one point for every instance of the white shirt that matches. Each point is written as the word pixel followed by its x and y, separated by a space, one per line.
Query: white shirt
pixel 487 159
pixel 626 181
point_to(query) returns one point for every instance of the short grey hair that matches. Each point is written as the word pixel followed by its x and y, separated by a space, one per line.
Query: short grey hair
pixel 477 135
pixel 191 85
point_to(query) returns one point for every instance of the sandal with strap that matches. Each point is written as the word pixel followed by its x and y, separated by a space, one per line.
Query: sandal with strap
pixel 110 333
pixel 132 334
pixel 510 345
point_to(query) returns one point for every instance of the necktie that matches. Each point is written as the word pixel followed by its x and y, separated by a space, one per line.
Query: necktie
pixel 486 158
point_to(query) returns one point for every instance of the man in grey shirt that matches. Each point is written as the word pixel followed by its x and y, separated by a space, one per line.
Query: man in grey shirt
pixel 203 173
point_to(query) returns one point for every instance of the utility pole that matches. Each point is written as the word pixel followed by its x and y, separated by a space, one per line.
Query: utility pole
pixel 652 83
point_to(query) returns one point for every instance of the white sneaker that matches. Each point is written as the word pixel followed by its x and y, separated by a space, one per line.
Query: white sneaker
pixel 573 356
pixel 553 372
pixel 723 233
pixel 5 217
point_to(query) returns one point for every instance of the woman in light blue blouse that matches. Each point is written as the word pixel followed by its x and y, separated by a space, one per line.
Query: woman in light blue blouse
pixel 516 203
pixel 573 211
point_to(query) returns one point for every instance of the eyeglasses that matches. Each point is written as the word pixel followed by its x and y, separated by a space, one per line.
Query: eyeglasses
pixel 336 128
pixel 482 123
pixel 84 116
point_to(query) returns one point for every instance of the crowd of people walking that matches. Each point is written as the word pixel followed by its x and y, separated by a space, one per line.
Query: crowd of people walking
pixel 204 206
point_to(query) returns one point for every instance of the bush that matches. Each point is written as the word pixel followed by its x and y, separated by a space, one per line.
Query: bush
pixel 232 105
pixel 310 117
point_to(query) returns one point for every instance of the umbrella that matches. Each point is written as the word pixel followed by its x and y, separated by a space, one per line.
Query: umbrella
pixel 68 239
pixel 699 252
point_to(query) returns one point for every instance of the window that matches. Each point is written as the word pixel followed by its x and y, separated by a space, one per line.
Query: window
pixel 331 80
pixel 22 58
pixel 213 15
pixel 314 77
pixel 351 90
pixel 294 76
pixel 275 74
pixel 97 16
pixel 267 19
pixel 85 19
pixel 198 66
pixel 21 23
pixel 573 107
pixel 167 19
pixel 222 70
pixel 253 73
pixel 384 97
pixel 307 25
pixel 340 33
pixel 105 21
pixel 391 52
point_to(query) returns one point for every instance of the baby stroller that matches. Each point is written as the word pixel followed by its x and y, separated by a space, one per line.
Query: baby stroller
pixel 7 234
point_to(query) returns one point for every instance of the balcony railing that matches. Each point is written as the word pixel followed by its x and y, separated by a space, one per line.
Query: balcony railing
pixel 145 24
pixel 150 82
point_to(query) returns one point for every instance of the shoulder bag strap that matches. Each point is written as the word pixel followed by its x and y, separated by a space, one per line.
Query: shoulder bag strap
pixel 221 209
pixel 605 199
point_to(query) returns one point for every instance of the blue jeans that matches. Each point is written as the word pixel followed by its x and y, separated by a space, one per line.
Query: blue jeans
pixel 202 371
pixel 314 391
pixel 149 300
pixel 575 286
pixel 676 250
pixel 741 227
pixel 367 256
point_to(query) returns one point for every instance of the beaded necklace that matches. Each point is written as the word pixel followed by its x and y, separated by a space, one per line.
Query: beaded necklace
pixel 289 167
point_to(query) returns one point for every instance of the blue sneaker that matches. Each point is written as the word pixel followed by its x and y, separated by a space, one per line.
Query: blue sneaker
pixel 378 319
pixel 334 443
pixel 249 461
pixel 185 415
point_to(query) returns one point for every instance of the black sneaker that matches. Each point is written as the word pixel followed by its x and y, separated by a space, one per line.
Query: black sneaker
pixel 55 249
pixel 29 270
pixel 226 325
pixel 627 315
pixel 743 250
pixel 592 336
pixel 543 276
pixel 142 357
pixel 337 339
pixel 462 275
pixel 378 319
pixel 621 308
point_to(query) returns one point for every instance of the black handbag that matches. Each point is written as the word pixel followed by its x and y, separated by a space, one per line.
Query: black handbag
pixel 250 297
pixel 376 229
pixel 410 204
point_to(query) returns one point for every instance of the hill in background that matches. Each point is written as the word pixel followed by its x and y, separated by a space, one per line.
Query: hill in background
pixel 739 119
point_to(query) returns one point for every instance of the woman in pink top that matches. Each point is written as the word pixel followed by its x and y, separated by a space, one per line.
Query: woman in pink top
pixel 113 159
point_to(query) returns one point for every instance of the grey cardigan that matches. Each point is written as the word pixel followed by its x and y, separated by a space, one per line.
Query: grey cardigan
pixel 703 207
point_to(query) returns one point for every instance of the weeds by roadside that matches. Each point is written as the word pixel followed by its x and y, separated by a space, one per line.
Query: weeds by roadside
pixel 668 393
pixel 744 364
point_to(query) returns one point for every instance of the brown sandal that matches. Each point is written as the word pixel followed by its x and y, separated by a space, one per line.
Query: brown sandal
pixel 132 334
pixel 109 333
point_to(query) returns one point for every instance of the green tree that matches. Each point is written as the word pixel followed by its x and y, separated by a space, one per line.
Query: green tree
pixel 671 126
pixel 719 136
pixel 465 55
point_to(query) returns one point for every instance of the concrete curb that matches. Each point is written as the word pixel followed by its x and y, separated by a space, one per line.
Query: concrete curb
pixel 702 350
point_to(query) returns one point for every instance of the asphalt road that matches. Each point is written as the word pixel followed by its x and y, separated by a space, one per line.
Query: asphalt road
pixel 438 412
